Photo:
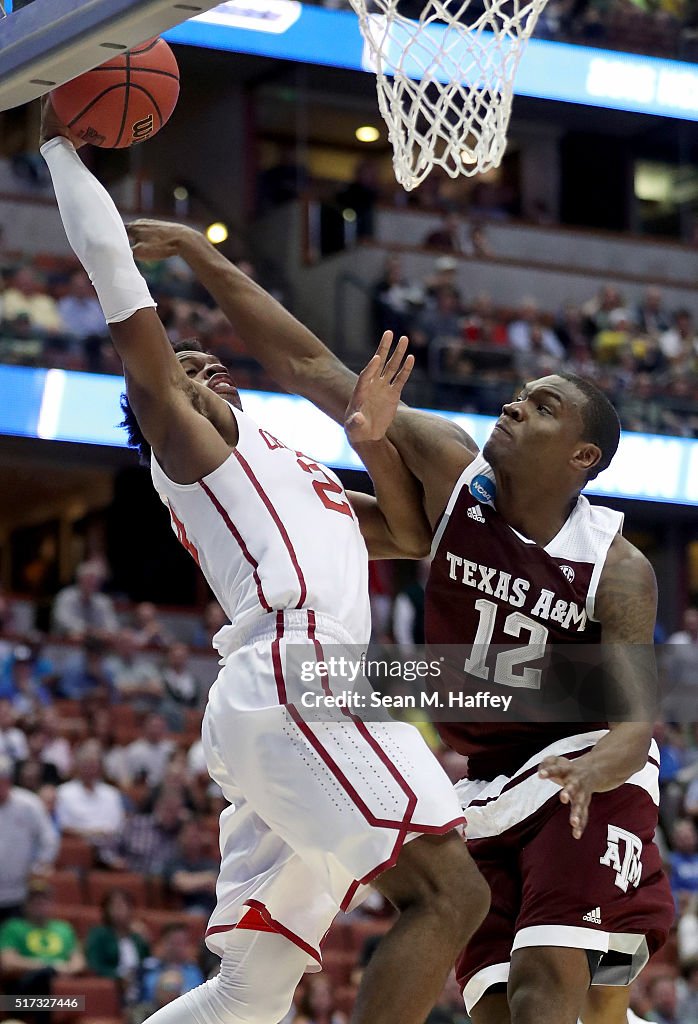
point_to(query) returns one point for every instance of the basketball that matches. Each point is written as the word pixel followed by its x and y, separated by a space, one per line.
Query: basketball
pixel 125 101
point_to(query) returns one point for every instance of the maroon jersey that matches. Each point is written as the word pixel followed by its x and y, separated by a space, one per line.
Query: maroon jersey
pixel 511 602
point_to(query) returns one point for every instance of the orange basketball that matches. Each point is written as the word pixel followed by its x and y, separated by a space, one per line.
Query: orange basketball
pixel 125 101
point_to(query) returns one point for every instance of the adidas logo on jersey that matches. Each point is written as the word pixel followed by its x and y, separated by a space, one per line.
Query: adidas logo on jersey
pixel 476 513
pixel 594 916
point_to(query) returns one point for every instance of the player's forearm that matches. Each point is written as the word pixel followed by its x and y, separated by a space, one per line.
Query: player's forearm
pixel 619 754
pixel 288 351
pixel 399 498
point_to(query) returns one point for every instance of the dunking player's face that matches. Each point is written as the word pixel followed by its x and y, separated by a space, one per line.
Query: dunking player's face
pixel 541 432
pixel 210 373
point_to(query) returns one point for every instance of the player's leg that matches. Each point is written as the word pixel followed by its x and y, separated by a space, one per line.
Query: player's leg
pixel 548 985
pixel 442 898
pixel 607 1004
pixel 493 1008
pixel 258 976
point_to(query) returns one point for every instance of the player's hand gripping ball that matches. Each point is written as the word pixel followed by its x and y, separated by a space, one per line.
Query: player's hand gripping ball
pixel 125 101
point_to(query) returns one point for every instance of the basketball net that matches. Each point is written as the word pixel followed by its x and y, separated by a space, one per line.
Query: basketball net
pixel 445 82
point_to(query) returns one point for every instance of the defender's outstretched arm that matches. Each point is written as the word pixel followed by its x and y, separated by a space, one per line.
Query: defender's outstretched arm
pixel 433 448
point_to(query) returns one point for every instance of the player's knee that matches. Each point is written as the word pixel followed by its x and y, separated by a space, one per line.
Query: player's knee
pixel 266 1004
pixel 441 879
pixel 541 979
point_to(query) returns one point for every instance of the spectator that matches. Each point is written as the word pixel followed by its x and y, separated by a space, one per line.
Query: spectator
pixel 680 343
pixel 26 690
pixel 57 749
pixel 175 955
pixel 537 360
pixel 651 317
pixel 597 311
pixel 34 946
pixel 27 298
pixel 87 806
pixel 683 861
pixel 317 1004
pixel 679 660
pixel 213 619
pixel 437 328
pixel 44 771
pixel 136 678
pixel 13 742
pixel 82 315
pixel 80 610
pixel 116 948
pixel 180 684
pixel 148 629
pixel 447 236
pixel 394 299
pixel 616 339
pixel 361 195
pixel 28 841
pixel 87 674
pixel 192 874
pixel 443 276
pixel 148 842
pixel 662 995
pixel 688 1002
pixel 148 756
pixel 529 326
pixel 687 932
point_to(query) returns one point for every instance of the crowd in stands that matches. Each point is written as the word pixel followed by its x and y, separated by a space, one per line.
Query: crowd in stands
pixel 471 351
pixel 108 819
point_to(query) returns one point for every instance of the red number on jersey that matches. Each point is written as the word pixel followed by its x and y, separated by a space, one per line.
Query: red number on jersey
pixel 325 487
pixel 182 535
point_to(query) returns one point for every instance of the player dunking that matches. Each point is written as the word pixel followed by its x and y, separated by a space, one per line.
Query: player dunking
pixel 531 548
pixel 319 809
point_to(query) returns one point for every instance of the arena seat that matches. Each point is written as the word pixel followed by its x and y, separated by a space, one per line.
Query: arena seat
pixel 99 883
pixel 157 920
pixel 81 917
pixel 68 708
pixel 102 998
pixel 123 715
pixel 67 886
pixel 74 852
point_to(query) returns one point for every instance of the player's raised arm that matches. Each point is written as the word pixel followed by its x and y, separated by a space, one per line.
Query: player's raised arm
pixel 626 607
pixel 170 410
pixel 433 448
pixel 393 523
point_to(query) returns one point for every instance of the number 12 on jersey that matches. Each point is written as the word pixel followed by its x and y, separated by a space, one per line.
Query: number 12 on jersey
pixel 508 660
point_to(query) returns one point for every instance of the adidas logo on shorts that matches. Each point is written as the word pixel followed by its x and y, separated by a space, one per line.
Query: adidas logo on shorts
pixel 594 916
pixel 476 513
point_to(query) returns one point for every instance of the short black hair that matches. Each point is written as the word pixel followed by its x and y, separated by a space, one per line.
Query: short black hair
pixel 600 420
pixel 130 423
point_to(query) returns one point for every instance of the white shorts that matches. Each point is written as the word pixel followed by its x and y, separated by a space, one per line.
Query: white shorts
pixel 319 808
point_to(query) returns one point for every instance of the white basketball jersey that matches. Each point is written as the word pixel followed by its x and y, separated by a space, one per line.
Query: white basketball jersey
pixel 271 529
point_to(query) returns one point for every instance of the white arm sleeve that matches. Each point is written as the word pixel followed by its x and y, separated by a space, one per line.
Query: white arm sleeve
pixel 96 233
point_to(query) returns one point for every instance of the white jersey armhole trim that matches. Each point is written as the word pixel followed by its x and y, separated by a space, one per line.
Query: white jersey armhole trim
pixel 466 476
pixel 598 569
pixel 156 468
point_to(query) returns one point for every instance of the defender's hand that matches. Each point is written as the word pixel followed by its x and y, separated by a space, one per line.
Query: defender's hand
pixel 377 393
pixel 578 781
pixel 156 239
pixel 51 126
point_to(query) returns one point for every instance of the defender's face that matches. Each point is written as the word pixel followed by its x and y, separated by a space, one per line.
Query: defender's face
pixel 540 429
pixel 210 373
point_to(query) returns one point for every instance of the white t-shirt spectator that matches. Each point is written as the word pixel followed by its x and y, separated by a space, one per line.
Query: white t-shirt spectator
pixel 13 743
pixel 28 841
pixel 151 759
pixel 73 614
pixel 97 809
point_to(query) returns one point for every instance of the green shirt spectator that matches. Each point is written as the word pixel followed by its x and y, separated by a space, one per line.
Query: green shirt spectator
pixel 52 942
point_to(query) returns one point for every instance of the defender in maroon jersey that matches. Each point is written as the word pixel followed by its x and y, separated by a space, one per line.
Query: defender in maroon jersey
pixel 561 822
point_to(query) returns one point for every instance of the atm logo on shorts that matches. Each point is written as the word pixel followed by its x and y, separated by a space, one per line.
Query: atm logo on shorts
pixel 624 855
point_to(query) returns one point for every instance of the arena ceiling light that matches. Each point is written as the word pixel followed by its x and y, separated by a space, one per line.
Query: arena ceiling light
pixel 217 233
pixel 367 133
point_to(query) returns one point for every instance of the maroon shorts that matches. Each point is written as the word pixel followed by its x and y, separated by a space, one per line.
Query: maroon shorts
pixel 605 892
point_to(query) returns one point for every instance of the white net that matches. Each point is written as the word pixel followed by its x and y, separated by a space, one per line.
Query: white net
pixel 445 81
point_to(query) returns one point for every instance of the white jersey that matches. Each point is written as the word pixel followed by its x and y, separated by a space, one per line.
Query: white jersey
pixel 272 530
